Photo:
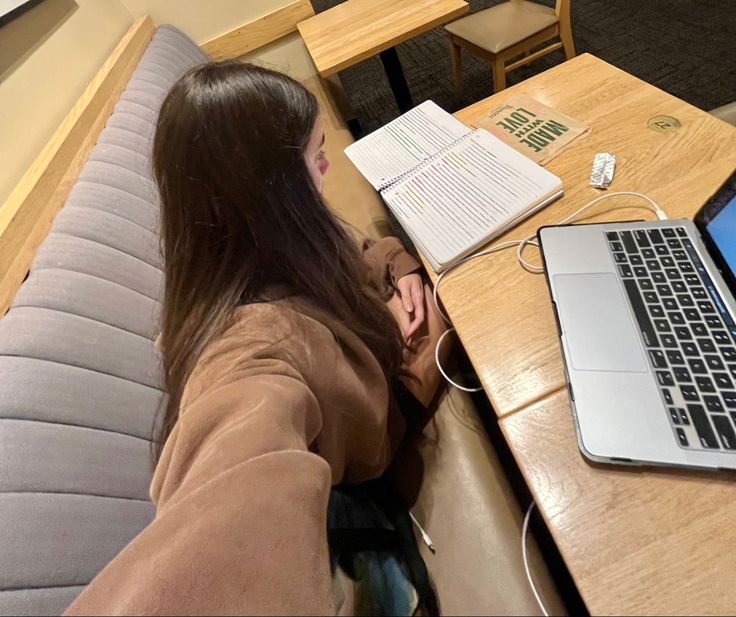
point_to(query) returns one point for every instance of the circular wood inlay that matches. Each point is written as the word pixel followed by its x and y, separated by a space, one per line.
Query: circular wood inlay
pixel 664 124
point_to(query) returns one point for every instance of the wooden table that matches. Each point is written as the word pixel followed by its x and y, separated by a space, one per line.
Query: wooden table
pixel 635 541
pixel 502 313
pixel 646 542
pixel 358 29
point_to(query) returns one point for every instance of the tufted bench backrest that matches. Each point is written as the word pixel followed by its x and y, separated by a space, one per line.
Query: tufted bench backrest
pixel 80 377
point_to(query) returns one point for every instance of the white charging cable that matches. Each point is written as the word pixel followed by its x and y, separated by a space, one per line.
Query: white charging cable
pixel 493 249
pixel 529 267
pixel 535 269
pixel 525 557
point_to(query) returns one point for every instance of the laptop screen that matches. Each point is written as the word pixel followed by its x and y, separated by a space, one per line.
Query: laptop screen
pixel 722 229
pixel 716 221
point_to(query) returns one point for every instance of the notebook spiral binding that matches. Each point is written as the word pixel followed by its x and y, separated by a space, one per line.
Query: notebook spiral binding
pixel 401 177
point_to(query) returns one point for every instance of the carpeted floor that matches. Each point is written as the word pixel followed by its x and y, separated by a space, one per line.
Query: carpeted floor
pixel 681 46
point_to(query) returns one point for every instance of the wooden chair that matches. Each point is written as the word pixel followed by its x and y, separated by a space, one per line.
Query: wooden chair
pixel 507 31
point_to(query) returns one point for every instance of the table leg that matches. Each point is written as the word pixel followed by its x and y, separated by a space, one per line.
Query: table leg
pixel 339 97
pixel 396 79
pixel 341 103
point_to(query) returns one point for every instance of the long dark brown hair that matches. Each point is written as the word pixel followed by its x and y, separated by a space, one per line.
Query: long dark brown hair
pixel 239 212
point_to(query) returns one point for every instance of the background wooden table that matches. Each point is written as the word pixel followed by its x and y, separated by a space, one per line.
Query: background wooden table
pixel 502 313
pixel 358 29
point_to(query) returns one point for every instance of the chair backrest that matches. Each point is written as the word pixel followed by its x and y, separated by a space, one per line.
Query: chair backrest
pixel 562 10
pixel 80 376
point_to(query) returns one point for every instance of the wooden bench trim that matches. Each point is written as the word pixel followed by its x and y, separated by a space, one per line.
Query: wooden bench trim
pixel 259 31
pixel 26 216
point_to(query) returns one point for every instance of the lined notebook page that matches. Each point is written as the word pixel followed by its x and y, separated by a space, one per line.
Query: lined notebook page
pixel 395 149
pixel 474 191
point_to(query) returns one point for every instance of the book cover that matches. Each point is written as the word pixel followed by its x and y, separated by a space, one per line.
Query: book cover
pixel 532 128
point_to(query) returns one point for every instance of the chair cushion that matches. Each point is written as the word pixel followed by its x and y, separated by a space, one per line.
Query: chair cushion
pixel 461 496
pixel 504 25
pixel 727 113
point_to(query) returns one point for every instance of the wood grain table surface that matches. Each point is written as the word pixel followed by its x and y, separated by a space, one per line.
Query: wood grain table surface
pixel 358 29
pixel 501 312
pixel 636 541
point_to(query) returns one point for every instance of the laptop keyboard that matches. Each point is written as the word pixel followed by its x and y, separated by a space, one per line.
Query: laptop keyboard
pixel 689 335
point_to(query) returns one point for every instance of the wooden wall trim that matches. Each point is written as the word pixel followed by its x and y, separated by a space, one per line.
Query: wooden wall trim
pixel 26 215
pixel 259 31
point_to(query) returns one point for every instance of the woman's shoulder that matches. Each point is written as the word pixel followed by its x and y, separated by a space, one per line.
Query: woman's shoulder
pixel 289 320
pixel 262 339
pixel 285 329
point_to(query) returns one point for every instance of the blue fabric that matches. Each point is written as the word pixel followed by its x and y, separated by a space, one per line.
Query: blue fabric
pixel 366 547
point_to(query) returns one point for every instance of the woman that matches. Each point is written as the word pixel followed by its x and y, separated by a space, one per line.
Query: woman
pixel 278 352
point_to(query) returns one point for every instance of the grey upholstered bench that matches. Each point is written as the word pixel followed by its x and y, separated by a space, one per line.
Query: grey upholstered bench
pixel 80 380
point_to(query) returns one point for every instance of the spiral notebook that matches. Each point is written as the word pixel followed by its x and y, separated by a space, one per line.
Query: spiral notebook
pixel 452 188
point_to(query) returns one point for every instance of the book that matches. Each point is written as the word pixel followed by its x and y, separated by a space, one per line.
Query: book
pixel 452 188
pixel 532 128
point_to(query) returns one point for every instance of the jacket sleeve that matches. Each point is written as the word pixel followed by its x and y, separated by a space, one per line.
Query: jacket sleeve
pixel 387 261
pixel 241 521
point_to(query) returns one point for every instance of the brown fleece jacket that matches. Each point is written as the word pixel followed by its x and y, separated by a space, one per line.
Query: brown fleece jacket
pixel 286 403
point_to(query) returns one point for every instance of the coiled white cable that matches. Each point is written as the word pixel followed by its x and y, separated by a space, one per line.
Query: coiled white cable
pixel 533 268
pixel 524 556
pixel 439 365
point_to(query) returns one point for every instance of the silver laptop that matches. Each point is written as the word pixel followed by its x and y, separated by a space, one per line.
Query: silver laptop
pixel 646 314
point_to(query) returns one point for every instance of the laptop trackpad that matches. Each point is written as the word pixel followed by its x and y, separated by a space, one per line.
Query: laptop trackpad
pixel 597 324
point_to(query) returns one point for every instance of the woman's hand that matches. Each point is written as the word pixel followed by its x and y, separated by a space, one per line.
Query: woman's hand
pixel 411 290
